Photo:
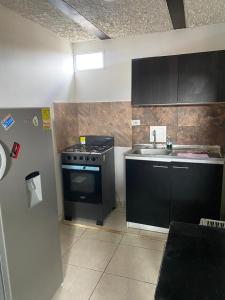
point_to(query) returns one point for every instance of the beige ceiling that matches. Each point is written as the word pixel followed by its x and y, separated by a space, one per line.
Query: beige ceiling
pixel 120 18
pixel 204 12
pixel 117 18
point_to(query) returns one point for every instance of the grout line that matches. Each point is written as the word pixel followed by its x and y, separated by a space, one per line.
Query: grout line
pixel 135 246
pixel 82 267
pixel 139 233
pixel 106 268
pixel 116 275
pixel 94 227
pixel 78 239
pixel 101 240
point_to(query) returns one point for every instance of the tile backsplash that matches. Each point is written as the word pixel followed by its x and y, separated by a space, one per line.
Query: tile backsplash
pixel 198 124
pixel 98 118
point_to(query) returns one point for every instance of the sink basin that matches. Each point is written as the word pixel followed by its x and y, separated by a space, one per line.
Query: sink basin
pixel 148 151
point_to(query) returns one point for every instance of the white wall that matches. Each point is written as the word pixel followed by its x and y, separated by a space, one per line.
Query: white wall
pixel 113 83
pixel 120 183
pixel 36 67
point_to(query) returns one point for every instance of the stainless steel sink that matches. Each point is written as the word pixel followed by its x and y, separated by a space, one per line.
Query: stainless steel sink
pixel 151 151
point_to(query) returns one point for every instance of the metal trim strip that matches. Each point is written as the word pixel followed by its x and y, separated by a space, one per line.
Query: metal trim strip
pixel 81 168
pixel 163 159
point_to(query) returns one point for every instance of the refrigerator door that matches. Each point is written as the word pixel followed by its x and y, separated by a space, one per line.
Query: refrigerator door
pixel 29 207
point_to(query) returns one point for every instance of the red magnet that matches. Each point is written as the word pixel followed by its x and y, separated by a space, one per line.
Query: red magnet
pixel 15 150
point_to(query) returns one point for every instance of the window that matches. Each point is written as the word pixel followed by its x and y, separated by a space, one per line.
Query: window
pixel 90 61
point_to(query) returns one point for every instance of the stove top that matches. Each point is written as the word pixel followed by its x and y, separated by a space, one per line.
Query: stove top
pixel 78 148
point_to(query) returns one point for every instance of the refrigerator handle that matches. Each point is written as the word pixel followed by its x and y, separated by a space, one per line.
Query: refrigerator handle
pixel 3 162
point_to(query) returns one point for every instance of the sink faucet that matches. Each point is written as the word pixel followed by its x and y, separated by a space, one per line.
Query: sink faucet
pixel 154 135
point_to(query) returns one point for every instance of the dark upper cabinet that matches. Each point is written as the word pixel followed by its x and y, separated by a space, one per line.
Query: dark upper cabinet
pixel 220 74
pixel 188 78
pixel 200 77
pixel 154 80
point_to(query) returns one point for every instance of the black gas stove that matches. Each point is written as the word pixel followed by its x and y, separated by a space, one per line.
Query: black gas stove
pixel 89 178
pixel 90 152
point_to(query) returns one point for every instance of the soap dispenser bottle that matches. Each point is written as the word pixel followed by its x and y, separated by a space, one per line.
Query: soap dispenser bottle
pixel 169 143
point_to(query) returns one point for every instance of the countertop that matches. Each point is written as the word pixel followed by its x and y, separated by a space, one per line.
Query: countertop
pixel 193 265
pixel 214 154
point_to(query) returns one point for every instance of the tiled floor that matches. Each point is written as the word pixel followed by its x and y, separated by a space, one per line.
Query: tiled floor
pixel 103 265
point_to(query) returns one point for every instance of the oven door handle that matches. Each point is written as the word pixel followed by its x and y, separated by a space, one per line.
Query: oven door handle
pixel 81 168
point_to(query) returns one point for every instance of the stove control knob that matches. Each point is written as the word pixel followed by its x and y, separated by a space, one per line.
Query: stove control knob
pixel 81 158
pixel 74 157
pixel 93 159
pixel 87 158
pixel 68 157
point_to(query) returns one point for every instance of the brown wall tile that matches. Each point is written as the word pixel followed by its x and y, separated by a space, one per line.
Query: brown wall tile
pixel 201 135
pixel 204 115
pixel 202 124
pixel 66 124
pixel 99 118
pixel 140 134
pixel 156 115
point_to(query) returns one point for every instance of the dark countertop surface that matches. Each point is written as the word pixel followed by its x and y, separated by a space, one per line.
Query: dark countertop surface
pixel 193 266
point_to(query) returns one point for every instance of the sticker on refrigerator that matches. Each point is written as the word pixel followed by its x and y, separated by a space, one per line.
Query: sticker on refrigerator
pixel 7 122
pixel 15 150
pixel 35 121
pixel 46 118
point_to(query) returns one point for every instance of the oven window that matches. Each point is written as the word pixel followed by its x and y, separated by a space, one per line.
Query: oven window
pixel 82 184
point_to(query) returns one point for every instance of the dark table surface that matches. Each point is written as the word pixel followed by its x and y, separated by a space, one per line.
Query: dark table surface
pixel 193 265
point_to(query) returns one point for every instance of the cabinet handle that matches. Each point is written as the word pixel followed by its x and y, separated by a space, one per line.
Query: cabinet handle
pixel 162 167
pixel 184 168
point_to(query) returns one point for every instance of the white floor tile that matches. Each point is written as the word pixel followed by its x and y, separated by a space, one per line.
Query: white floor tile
pixel 71 230
pixel 153 234
pixel 78 284
pixel 93 254
pixel 102 235
pixel 113 287
pixel 143 241
pixel 67 242
pixel 136 263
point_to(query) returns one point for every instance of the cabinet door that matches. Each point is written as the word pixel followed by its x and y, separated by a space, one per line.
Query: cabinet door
pixel 154 80
pixel 148 193
pixel 201 77
pixel 196 192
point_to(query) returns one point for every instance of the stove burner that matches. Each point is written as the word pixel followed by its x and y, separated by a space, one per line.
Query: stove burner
pixel 87 149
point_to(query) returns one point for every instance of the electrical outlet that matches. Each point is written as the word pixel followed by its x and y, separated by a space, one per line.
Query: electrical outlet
pixel 135 122
pixel 160 134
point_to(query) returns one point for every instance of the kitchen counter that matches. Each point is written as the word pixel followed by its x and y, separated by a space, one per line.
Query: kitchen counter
pixel 193 265
pixel 179 153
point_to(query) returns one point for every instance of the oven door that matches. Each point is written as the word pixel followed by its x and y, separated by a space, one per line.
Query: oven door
pixel 82 183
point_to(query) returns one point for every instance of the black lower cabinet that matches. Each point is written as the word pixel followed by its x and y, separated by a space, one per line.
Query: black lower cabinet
pixel 158 193
pixel 196 192
pixel 148 193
